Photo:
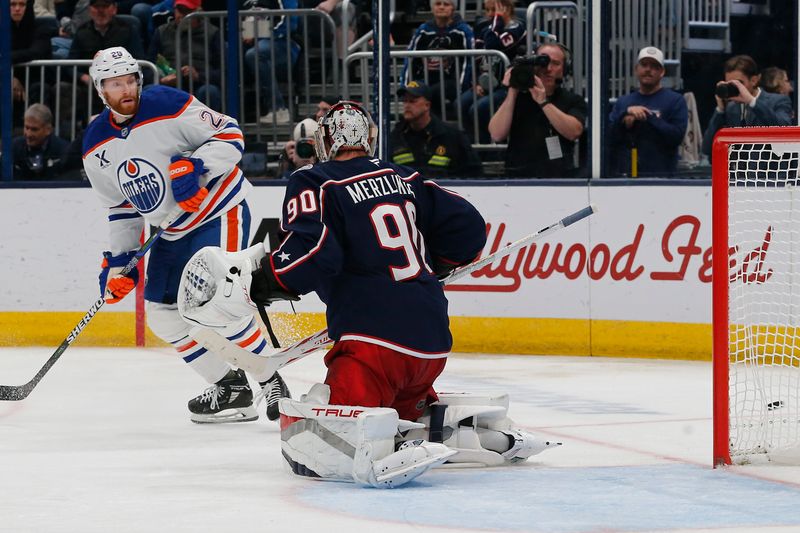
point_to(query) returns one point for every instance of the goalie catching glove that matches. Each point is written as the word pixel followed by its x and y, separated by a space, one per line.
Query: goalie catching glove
pixel 113 286
pixel 218 288
pixel 185 174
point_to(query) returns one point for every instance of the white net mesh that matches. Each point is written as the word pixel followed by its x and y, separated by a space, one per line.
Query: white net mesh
pixel 764 307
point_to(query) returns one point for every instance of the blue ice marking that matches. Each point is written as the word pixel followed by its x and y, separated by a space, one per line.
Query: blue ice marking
pixel 570 500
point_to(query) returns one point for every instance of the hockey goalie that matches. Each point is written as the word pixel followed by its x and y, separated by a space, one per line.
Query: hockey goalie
pixel 372 239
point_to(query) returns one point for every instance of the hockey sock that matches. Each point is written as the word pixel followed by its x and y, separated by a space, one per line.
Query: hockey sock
pixel 247 334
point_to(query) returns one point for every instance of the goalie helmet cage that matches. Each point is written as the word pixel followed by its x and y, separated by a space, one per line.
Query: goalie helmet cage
pixel 756 295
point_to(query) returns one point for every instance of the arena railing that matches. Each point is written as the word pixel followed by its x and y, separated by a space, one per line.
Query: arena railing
pixel 296 84
pixel 708 16
pixel 361 42
pixel 491 58
pixel 59 86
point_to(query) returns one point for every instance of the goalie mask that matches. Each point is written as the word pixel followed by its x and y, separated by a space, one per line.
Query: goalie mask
pixel 111 63
pixel 346 126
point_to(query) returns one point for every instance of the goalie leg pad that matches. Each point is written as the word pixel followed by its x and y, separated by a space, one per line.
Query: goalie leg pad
pixel 351 443
pixel 478 428
pixel 214 286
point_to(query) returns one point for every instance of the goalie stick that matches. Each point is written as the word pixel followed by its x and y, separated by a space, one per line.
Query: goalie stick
pixel 266 365
pixel 20 392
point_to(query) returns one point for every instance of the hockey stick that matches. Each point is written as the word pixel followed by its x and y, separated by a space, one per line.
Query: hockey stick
pixel 266 365
pixel 20 392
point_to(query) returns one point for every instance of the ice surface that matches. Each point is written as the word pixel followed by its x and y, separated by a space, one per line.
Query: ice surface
pixel 104 443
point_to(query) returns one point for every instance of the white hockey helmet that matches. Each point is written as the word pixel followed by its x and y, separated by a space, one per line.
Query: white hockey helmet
pixel 346 125
pixel 110 63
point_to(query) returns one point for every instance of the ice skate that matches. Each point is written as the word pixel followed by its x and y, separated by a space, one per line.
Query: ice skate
pixel 229 400
pixel 272 391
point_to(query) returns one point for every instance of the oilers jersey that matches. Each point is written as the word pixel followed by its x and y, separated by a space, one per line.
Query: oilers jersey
pixel 128 164
pixel 365 234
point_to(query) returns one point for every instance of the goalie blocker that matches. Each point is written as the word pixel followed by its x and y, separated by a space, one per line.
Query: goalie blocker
pixel 374 447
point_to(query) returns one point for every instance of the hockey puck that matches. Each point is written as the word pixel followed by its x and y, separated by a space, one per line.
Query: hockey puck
pixel 771 406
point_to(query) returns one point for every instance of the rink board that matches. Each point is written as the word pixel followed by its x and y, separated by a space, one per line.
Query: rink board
pixel 632 279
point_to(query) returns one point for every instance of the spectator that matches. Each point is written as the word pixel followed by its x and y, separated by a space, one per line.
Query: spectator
pixel 652 120
pixel 260 56
pixel 299 151
pixel 541 120
pixel 67 27
pixel 776 80
pixel 325 103
pixel 38 153
pixel 740 102
pixel 204 85
pixel 423 141
pixel 147 12
pixel 29 41
pixel 499 30
pixel 447 31
pixel 103 30
pixel 72 163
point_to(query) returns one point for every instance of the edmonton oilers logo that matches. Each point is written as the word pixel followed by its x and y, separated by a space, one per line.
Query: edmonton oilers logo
pixel 141 183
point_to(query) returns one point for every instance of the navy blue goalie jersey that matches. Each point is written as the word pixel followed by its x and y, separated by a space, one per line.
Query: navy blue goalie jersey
pixel 366 235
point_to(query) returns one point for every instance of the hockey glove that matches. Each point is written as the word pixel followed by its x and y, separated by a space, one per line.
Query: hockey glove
pixel 114 287
pixel 185 173
pixel 265 288
pixel 442 267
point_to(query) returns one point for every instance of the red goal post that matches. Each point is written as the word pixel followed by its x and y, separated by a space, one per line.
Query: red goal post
pixel 756 295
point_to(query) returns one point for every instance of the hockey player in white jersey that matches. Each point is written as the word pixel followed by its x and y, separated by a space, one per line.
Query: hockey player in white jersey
pixel 144 154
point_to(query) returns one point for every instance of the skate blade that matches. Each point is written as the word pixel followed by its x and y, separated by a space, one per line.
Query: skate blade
pixel 428 462
pixel 228 416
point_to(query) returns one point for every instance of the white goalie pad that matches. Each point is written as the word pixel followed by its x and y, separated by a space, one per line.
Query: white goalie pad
pixel 351 443
pixel 479 429
pixel 214 287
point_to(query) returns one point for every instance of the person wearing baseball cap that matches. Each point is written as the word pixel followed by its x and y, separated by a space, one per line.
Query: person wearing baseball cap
pixel 424 142
pixel 648 125
pixel 415 89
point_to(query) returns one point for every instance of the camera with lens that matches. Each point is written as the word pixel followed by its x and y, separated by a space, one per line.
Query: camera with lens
pixel 727 90
pixel 523 70
pixel 304 148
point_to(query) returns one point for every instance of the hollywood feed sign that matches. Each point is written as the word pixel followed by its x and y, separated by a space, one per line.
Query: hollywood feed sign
pixel 644 256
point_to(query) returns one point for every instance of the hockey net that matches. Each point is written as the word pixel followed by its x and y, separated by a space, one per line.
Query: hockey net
pixel 756 292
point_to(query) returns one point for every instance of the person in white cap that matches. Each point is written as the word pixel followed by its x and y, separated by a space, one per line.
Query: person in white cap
pixel 299 152
pixel 648 125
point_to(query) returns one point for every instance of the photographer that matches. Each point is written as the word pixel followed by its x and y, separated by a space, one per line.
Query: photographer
pixel 38 154
pixel 649 123
pixel 299 152
pixel 740 102
pixel 541 120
